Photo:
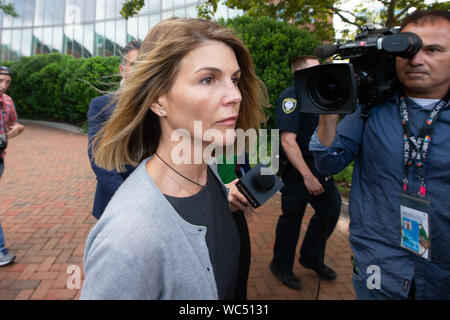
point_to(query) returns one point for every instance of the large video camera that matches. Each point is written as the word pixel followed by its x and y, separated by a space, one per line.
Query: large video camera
pixel 368 79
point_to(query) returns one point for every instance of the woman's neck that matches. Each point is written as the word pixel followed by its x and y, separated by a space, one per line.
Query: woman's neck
pixel 178 180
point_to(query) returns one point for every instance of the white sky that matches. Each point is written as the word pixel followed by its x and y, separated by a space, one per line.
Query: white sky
pixel 350 4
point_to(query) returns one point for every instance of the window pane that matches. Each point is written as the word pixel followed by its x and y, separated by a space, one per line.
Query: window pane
pixel 179 13
pixel 1 20
pixel 37 41
pixel 146 7
pixel 88 50
pixel 100 10
pixel 154 19
pixel 15 45
pixel 74 12
pixel 100 39
pixel 28 13
pixel 7 21
pixel 132 29
pixel 90 11
pixel 58 39
pixel 167 14
pixel 68 39
pixel 221 12
pixel 119 4
pixel 78 41
pixel 18 7
pixel 49 12
pixel 191 12
pixel 155 6
pixel 143 27
pixel 109 38
pixel 121 38
pixel 178 3
pixel 47 38
pixel 166 4
pixel 110 9
pixel 59 11
pixel 39 13
pixel 27 38
pixel 232 13
pixel 6 44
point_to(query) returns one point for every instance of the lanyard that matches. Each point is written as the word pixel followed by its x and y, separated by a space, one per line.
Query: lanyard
pixel 415 149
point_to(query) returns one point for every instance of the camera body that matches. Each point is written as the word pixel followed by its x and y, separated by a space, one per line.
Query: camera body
pixel 368 79
pixel 3 142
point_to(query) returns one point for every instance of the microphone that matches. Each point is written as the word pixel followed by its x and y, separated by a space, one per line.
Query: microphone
pixel 256 187
pixel 325 51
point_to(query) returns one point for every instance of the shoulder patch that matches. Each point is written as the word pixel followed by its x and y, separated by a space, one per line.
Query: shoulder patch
pixel 289 105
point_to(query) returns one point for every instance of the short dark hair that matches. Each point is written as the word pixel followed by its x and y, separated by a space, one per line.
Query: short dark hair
pixel 301 60
pixel 5 70
pixel 424 16
pixel 132 45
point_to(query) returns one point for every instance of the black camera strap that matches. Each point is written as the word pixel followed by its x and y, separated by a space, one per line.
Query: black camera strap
pixel 415 148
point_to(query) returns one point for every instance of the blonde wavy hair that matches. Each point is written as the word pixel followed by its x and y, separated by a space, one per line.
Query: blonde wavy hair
pixel 133 131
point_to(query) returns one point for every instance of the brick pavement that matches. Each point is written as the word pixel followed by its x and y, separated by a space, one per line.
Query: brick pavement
pixel 46 195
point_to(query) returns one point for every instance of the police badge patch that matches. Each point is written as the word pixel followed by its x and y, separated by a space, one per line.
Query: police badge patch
pixel 289 105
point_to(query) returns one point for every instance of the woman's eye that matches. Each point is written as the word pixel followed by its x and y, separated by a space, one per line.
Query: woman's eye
pixel 207 80
pixel 235 81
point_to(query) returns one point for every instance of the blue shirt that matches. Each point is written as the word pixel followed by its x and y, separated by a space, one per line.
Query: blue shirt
pixel 374 199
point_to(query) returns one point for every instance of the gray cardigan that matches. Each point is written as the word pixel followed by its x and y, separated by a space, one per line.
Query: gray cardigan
pixel 142 249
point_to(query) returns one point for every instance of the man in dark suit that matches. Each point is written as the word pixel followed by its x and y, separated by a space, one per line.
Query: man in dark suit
pixel 100 109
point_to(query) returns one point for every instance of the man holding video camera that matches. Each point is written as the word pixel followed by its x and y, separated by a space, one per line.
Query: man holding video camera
pixel 9 128
pixel 303 185
pixel 399 204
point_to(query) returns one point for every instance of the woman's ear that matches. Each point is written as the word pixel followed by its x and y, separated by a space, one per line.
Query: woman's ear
pixel 158 107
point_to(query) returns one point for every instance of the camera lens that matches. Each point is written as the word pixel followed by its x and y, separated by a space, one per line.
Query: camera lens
pixel 328 90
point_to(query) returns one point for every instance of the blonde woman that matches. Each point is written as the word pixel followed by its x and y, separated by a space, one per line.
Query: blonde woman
pixel 168 232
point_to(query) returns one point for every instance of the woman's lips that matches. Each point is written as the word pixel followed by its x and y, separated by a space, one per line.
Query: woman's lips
pixel 231 121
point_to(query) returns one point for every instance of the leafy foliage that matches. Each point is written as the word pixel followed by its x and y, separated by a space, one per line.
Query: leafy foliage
pixel 60 87
pixel 319 13
pixel 8 8
pixel 273 44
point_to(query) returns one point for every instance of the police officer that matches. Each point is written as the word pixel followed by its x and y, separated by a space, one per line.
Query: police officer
pixel 303 185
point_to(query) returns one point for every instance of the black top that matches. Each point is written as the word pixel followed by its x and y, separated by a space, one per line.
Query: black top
pixel 210 208
pixel 289 118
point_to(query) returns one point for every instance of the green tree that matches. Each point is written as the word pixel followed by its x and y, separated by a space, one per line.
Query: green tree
pixel 317 13
pixel 320 12
pixel 8 8
pixel 272 44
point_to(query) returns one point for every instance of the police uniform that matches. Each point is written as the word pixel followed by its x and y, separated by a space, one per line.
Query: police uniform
pixel 295 196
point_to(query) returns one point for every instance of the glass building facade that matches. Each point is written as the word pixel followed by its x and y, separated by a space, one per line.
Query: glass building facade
pixel 84 28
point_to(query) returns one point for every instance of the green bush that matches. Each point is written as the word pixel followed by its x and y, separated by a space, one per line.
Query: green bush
pixel 60 87
pixel 273 44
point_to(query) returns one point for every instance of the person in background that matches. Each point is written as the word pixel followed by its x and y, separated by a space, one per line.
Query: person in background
pixel 303 185
pixel 399 203
pixel 100 110
pixel 9 128
pixel 168 232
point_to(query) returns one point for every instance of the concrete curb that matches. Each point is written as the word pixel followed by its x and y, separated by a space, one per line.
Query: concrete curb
pixel 55 125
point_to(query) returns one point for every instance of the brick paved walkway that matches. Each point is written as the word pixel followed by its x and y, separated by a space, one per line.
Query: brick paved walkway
pixel 46 195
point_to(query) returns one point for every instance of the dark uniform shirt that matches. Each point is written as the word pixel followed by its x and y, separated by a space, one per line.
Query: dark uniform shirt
pixel 289 118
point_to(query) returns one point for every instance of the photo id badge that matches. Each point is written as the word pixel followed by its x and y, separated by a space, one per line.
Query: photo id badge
pixel 415 224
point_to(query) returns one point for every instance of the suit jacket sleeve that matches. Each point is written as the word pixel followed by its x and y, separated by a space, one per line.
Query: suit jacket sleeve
pixel 98 114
